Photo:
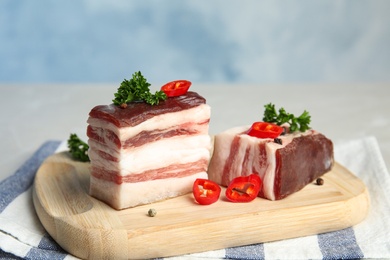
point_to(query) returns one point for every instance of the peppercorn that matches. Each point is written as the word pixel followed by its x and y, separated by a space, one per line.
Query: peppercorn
pixel 320 181
pixel 278 141
pixel 152 212
pixel 284 131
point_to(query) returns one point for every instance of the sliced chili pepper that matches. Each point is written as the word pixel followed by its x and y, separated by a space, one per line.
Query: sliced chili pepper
pixel 265 130
pixel 205 191
pixel 244 188
pixel 176 88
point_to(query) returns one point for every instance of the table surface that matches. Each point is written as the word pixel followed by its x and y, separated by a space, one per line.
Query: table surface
pixel 33 114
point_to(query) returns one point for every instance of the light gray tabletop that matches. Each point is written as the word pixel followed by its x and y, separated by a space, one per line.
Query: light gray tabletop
pixel 33 114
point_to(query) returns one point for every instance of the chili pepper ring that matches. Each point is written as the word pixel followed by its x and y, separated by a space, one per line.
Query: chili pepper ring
pixel 205 191
pixel 244 188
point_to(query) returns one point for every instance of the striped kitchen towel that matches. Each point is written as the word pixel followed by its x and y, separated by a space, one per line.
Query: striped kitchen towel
pixel 23 237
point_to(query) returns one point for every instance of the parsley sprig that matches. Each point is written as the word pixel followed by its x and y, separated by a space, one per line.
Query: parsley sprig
pixel 77 148
pixel 300 123
pixel 136 89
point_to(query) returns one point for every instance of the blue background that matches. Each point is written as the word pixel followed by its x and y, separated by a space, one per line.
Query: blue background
pixel 204 41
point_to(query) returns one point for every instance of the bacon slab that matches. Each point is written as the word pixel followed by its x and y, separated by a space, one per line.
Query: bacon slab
pixel 284 168
pixel 142 153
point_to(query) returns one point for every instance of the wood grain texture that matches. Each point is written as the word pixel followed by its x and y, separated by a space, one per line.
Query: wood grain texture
pixel 89 229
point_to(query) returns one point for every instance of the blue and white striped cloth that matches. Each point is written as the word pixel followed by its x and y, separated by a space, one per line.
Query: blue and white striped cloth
pixel 23 237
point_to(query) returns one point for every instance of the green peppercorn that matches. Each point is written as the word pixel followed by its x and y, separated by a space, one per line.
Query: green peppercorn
pixel 152 212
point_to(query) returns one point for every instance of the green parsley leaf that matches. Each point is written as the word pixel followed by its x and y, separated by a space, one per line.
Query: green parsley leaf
pixel 136 89
pixel 77 148
pixel 300 123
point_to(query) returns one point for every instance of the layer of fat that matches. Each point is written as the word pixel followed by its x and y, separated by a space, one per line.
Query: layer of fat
pixel 153 155
pixel 133 194
pixel 198 114
pixel 222 145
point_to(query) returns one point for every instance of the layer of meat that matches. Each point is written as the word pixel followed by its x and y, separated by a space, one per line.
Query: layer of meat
pixel 139 112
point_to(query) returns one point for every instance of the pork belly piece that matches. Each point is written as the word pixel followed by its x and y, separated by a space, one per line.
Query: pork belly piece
pixel 284 168
pixel 142 153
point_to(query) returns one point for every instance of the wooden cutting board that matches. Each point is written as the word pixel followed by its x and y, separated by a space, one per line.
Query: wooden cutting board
pixel 88 228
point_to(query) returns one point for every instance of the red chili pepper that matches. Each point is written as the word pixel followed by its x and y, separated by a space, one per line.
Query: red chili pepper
pixel 205 191
pixel 244 188
pixel 176 88
pixel 265 130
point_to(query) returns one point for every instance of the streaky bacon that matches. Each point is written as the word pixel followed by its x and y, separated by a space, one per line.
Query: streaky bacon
pixel 284 168
pixel 121 140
